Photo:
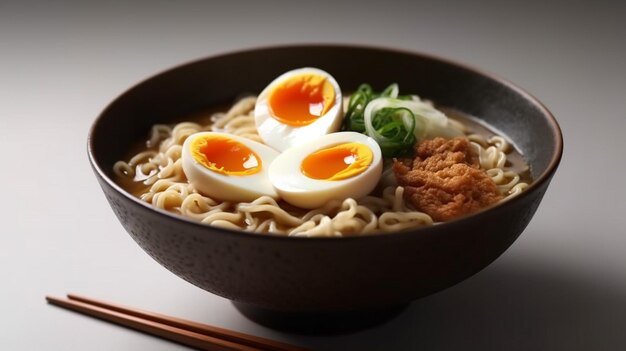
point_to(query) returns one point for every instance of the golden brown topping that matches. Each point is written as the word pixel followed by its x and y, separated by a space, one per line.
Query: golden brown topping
pixel 445 180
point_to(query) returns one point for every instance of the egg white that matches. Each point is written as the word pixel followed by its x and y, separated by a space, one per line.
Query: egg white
pixel 229 187
pixel 281 136
pixel 299 190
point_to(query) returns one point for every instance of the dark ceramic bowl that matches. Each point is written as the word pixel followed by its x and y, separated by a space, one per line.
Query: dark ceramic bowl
pixel 276 279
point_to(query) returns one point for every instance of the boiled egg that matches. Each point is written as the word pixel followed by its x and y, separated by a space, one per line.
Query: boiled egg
pixel 228 167
pixel 333 166
pixel 298 106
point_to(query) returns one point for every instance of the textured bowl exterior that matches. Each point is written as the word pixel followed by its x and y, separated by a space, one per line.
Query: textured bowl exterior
pixel 325 274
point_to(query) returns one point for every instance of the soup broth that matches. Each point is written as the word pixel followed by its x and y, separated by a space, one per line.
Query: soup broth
pixel 153 172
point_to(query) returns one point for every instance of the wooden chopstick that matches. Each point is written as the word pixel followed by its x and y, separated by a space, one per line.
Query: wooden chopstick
pixel 198 335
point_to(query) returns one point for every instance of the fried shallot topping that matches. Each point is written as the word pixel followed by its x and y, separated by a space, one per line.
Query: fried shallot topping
pixel 445 180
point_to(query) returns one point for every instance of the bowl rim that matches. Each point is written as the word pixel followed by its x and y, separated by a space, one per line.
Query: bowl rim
pixel 538 181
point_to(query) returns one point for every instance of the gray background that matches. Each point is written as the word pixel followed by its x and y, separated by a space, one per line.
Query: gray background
pixel 561 286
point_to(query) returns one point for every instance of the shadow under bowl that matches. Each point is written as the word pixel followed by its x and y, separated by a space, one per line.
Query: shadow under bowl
pixel 278 280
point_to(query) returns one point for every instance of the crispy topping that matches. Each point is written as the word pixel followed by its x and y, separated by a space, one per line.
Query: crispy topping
pixel 445 180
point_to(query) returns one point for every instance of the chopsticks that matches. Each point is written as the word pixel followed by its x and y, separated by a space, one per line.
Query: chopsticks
pixel 198 335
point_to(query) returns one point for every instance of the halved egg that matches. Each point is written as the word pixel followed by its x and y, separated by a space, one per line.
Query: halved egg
pixel 228 167
pixel 298 106
pixel 334 166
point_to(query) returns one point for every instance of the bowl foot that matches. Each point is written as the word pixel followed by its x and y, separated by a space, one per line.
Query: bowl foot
pixel 323 323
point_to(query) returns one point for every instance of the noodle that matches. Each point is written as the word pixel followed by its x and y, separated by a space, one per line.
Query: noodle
pixel 157 177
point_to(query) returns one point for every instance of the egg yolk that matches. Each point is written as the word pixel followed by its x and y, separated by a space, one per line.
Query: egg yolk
pixel 225 156
pixel 301 99
pixel 337 162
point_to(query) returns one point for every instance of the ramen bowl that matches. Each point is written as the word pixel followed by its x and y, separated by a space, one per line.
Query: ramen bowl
pixel 324 284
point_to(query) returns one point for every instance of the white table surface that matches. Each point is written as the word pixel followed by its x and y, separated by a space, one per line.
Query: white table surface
pixel 561 286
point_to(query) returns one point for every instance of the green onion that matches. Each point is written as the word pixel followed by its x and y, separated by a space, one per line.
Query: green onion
pixel 354 115
pixel 391 125
pixel 353 119
pixel 395 121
